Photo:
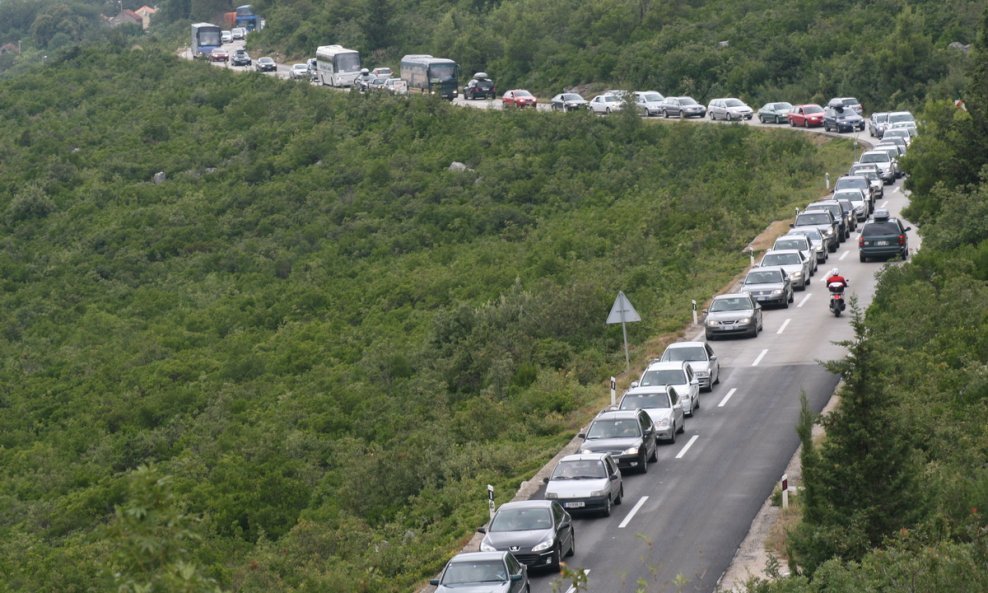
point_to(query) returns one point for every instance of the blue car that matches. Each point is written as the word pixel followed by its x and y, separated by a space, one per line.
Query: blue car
pixel 842 119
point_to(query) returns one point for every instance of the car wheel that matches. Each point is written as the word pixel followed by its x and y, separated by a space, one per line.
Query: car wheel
pixel 689 413
pixel 607 507
pixel 572 542
pixel 862 257
pixel 710 337
pixel 556 557
pixel 717 382
pixel 778 120
pixel 672 438
pixel 655 454
pixel 620 496
pixel 682 428
pixel 792 297
pixel 643 463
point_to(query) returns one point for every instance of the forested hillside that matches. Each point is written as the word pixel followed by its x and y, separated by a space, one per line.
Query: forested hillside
pixel 896 494
pixel 321 340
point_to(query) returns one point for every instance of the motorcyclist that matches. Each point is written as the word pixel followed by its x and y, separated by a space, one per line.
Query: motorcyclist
pixel 835 282
pixel 363 81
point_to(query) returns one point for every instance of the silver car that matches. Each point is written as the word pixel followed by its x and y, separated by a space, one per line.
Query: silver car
pixel 798 242
pixel 733 314
pixel 792 261
pixel 881 159
pixel 663 406
pixel 677 374
pixel 858 200
pixel 586 483
pixel 606 103
pixel 770 286
pixel 730 109
pixel 700 356
pixel 649 103
pixel 483 572
pixel 817 240
pixel 823 221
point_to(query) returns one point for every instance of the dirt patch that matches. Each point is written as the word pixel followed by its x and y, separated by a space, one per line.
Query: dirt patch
pixel 767 238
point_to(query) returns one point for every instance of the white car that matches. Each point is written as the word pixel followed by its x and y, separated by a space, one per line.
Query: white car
pixel 792 261
pixel 649 103
pixel 226 37
pixel 883 161
pixel 586 482
pixel 663 406
pixel 606 103
pixel 858 200
pixel 802 244
pixel 238 32
pixel 299 72
pixel 677 374
pixel 729 109
pixel 700 356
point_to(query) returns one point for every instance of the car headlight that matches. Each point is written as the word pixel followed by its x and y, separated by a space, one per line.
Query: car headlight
pixel 777 292
pixel 797 274
pixel 702 373
pixel 712 323
pixel 586 451
pixel 744 321
pixel 630 451
pixel 551 496
pixel 597 493
pixel 545 545
pixel 662 424
pixel 485 546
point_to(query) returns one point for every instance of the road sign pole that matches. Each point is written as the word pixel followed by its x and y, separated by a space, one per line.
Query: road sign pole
pixel 624 332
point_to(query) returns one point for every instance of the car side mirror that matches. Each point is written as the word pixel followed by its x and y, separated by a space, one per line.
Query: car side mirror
pixel 434 582
pixel 614 477
pixel 909 228
pixel 635 383
pixel 515 577
pixel 545 480
pixel 582 435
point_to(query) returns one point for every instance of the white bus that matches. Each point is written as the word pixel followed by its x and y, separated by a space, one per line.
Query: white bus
pixel 205 38
pixel 337 65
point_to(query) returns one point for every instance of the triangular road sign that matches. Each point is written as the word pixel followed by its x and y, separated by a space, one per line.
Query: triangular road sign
pixel 622 311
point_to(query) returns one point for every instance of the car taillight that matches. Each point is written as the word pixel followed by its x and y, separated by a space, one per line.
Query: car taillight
pixel 902 239
pixel 860 241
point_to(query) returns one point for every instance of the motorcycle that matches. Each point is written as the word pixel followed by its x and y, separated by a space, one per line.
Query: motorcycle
pixel 836 298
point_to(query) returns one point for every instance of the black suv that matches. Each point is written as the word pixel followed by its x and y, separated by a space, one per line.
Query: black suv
pixel 883 236
pixel 628 435
pixel 480 87
pixel 842 119
pixel 240 58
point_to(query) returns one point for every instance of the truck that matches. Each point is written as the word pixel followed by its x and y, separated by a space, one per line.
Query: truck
pixel 244 17
pixel 336 65
pixel 205 38
pixel 427 74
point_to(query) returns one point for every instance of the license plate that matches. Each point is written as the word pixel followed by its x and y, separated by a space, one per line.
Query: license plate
pixel 881 243
pixel 574 505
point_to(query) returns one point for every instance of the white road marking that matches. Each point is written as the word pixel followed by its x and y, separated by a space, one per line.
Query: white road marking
pixel 572 589
pixel 759 358
pixel 723 402
pixel 843 255
pixel 687 447
pixel 627 519
pixel 885 204
pixel 806 298
pixel 784 325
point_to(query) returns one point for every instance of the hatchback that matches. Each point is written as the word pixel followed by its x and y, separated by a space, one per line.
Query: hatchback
pixel 677 374
pixel 586 483
pixel 627 435
pixel 537 532
pixel 663 407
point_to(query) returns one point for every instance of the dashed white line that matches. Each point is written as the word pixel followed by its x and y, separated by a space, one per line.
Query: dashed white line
pixel 759 358
pixel 687 447
pixel 572 588
pixel 843 255
pixel 885 204
pixel 784 325
pixel 634 510
pixel 807 297
pixel 723 402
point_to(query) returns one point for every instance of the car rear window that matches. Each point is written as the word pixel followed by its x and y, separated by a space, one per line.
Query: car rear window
pixel 880 228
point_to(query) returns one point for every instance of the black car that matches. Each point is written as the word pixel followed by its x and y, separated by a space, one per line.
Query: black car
pixel 240 58
pixel 480 87
pixel 842 119
pixel 682 107
pixel 883 236
pixel 537 532
pixel 628 435
pixel 568 102
pixel 266 65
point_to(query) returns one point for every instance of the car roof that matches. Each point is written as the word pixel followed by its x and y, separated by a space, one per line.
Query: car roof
pixel 643 391
pixel 781 252
pixel 526 504
pixel 659 365
pixel 585 457
pixel 685 345
pixel 792 236
pixel 734 295
pixel 473 556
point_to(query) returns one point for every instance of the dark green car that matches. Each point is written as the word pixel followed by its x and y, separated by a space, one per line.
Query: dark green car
pixel 883 237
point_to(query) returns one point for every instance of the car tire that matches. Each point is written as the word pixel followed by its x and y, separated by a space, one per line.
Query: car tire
pixel 690 415
pixel 717 382
pixel 572 543
pixel 655 455
pixel 556 558
pixel 620 496
pixel 682 429
pixel 672 439
pixel 643 463
pixel 792 296
pixel 862 258
pixel 710 337
pixel 607 507
pixel 697 407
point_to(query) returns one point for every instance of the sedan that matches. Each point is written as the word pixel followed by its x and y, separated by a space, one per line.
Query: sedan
pixel 265 64
pixel 219 55
pixel 817 240
pixel 483 572
pixel 606 103
pixel 776 113
pixel 240 58
pixel 663 407
pixel 769 286
pixel 728 110
pixel 518 98
pixel 682 107
pixel 678 375
pixel 299 72
pixel 823 221
pixel 801 243
pixel 585 483
pixel 537 532
pixel 792 261
pixel 733 314
pixel 859 200
pixel 649 103
pixel 700 356
pixel 567 102
pixel 810 115
pixel 841 119
pixel 226 37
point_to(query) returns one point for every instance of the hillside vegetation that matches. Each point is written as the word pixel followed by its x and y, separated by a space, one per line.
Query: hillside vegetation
pixel 295 362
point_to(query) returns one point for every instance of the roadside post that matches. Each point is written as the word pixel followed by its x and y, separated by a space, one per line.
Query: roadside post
pixel 785 491
pixel 693 305
pixel 613 390
pixel 751 256
pixel 490 500
pixel 623 312
pixel 826 180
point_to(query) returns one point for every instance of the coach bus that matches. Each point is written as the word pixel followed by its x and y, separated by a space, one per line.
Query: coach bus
pixel 205 38
pixel 427 74
pixel 337 65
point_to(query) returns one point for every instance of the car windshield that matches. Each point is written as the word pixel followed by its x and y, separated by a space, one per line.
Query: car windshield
pixel 764 277
pixel 875 157
pixel 617 427
pixel 481 571
pixel 781 106
pixel 570 97
pixel 730 304
pixel 523 94
pixel 853 196
pixel 663 377
pixel 780 259
pixel 880 228
pixel 880 118
pixel 684 353
pixel 811 234
pixel 612 99
pixel 651 97
pixel 787 244
pixel 686 101
pixel 579 469
pixel 813 218
pixel 644 401
pixel 852 183
pixel 521 520
pixel 897 117
pixel 733 103
pixel 812 109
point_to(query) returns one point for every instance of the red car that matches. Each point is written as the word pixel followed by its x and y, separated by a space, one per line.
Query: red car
pixel 810 115
pixel 518 98
pixel 219 55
